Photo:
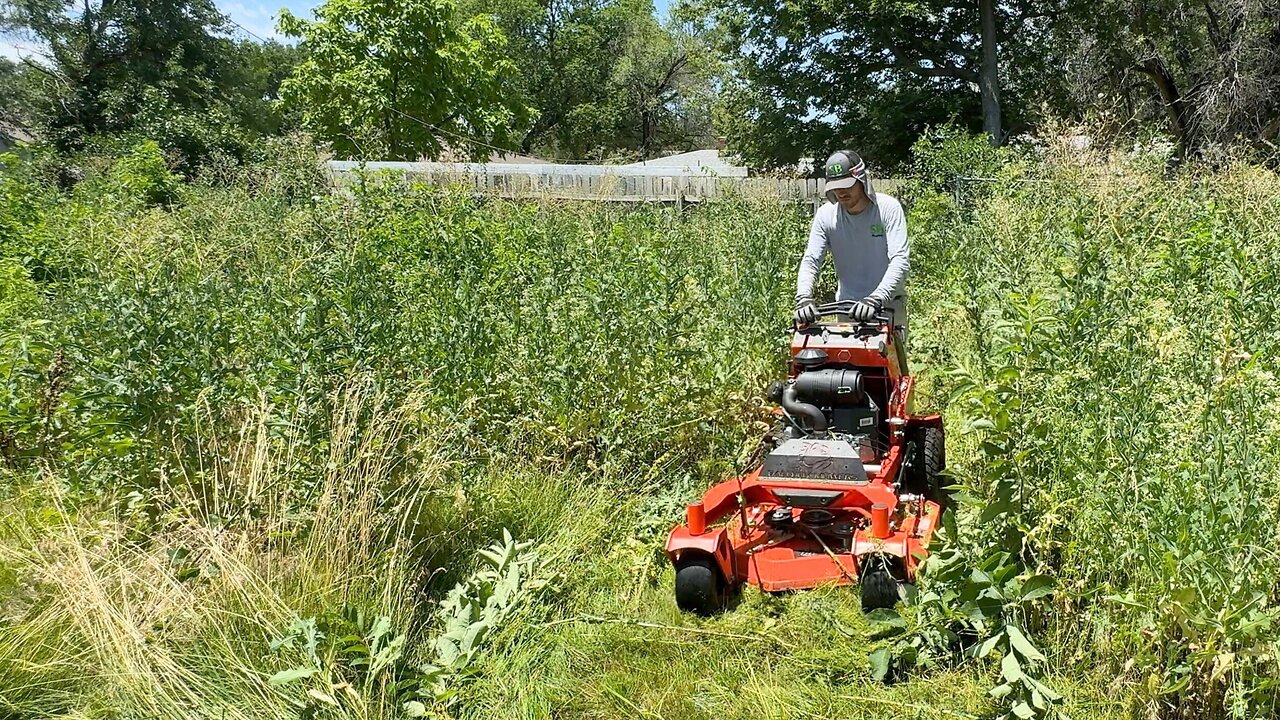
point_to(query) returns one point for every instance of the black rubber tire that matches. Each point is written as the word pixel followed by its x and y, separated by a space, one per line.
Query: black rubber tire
pixel 700 587
pixel 879 585
pixel 928 461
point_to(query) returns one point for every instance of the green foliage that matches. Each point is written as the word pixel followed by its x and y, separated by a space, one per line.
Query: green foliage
pixel 351 655
pixel 1160 59
pixel 398 81
pixel 253 85
pixel 162 71
pixel 144 174
pixel 192 468
pixel 979 598
pixel 24 403
pixel 472 611
pixel 1098 388
pixel 109 54
pixel 808 77
pixel 19 90
pixel 605 79
pixel 949 159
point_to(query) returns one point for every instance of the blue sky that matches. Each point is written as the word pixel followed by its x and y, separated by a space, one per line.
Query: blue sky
pixel 256 18
pixel 259 18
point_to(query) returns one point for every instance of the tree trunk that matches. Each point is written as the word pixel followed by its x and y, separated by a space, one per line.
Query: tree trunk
pixel 645 123
pixel 989 77
pixel 1175 104
pixel 392 123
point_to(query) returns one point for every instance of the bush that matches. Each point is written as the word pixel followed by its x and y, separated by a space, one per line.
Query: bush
pixel 143 173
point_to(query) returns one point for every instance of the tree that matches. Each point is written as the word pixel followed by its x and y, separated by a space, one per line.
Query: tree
pixel 562 50
pixel 399 80
pixel 1209 71
pixel 815 73
pixel 662 83
pixel 257 70
pixel 19 91
pixel 164 70
pixel 110 61
pixel 604 77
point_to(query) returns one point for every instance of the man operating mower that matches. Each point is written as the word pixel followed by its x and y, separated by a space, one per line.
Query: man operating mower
pixel 866 234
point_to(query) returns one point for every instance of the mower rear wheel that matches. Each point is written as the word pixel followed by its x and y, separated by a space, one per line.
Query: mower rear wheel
pixel 879 584
pixel 700 587
pixel 928 460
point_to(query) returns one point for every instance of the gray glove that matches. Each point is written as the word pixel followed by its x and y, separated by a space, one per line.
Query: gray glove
pixel 806 312
pixel 864 310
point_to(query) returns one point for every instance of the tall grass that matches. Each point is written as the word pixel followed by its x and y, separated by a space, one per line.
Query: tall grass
pixel 262 409
pixel 1138 309
pixel 166 616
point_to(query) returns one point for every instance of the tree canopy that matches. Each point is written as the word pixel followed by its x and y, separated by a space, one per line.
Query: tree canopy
pixel 812 74
pixel 604 77
pixel 403 80
pixel 606 80
pixel 1209 73
pixel 165 69
pixel 808 75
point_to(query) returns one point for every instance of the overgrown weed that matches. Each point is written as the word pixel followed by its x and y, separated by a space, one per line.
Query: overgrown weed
pixel 276 404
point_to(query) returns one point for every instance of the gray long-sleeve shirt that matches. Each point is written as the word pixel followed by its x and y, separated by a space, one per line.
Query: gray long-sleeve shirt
pixel 869 248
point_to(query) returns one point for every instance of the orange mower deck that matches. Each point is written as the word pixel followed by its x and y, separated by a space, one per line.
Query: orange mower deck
pixel 761 556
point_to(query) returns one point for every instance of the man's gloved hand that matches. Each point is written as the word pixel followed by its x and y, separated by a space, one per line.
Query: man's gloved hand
pixel 864 310
pixel 806 312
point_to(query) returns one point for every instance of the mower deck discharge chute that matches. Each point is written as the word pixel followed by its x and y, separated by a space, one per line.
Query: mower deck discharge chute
pixel 849 491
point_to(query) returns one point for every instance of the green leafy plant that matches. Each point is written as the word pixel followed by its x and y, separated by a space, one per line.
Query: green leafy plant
pixel 143 173
pixel 352 657
pixel 979 600
pixel 469 615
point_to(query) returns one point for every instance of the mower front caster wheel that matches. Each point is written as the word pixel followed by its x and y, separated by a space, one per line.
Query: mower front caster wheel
pixel 700 588
pixel 880 587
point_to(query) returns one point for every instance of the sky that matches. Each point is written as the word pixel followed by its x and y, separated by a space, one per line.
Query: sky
pixel 259 18
pixel 254 18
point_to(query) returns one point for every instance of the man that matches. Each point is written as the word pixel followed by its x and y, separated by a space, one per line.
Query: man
pixel 866 234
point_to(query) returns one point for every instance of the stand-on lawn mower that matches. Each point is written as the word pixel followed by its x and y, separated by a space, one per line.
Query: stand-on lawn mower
pixel 849 491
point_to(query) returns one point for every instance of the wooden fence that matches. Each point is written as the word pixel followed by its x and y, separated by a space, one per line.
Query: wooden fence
pixel 619 183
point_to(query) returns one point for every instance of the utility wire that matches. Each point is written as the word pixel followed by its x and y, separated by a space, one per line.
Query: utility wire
pixel 439 129
pixel 247 30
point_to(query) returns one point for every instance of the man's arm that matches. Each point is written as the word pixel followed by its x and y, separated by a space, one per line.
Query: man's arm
pixel 895 235
pixel 811 261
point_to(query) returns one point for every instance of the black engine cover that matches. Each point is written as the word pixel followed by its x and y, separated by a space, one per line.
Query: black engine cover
pixel 832 386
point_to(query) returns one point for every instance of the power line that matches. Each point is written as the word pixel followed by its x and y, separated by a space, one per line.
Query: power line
pixel 247 30
pixel 439 129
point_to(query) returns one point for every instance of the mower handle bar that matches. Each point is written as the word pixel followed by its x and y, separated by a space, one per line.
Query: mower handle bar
pixel 845 307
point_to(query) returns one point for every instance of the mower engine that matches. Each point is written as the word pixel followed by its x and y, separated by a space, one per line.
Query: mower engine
pixel 830 401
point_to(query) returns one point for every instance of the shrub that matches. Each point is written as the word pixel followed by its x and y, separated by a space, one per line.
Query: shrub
pixel 143 173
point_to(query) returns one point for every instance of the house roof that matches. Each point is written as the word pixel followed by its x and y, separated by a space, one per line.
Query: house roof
pixel 695 162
